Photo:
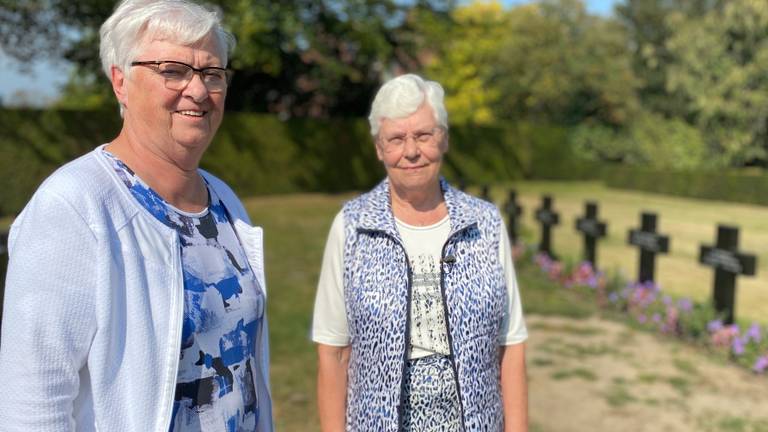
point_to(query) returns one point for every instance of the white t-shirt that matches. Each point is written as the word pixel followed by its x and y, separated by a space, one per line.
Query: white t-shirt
pixel 428 330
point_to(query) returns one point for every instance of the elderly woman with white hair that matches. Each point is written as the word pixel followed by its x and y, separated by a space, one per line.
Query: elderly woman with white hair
pixel 417 317
pixel 135 294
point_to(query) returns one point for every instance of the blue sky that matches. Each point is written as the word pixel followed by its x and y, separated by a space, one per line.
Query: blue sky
pixel 602 7
pixel 41 83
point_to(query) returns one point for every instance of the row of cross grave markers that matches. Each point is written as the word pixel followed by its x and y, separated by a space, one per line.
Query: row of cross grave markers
pixel 725 257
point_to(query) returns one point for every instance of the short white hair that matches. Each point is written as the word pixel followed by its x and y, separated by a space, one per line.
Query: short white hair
pixel 176 21
pixel 404 95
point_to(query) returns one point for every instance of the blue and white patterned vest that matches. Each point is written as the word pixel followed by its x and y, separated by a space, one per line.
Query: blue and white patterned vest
pixel 377 290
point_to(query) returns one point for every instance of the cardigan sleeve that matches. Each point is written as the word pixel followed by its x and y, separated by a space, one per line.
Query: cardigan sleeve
pixel 48 319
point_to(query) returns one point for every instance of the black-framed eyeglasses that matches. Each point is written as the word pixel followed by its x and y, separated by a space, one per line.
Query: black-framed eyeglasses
pixel 178 74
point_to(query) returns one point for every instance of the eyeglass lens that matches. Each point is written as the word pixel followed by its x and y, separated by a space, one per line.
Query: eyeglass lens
pixel 178 76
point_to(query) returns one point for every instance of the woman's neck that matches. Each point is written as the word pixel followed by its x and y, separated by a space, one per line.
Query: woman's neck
pixel 418 207
pixel 181 187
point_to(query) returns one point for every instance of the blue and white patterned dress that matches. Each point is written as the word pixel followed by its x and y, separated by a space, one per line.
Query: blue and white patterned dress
pixel 223 313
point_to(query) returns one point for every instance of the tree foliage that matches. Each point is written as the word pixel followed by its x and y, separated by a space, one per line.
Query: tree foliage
pixel 321 58
pixel 719 67
pixel 650 139
pixel 667 83
pixel 462 54
pixel 648 31
pixel 561 64
pixel 549 62
pixel 295 57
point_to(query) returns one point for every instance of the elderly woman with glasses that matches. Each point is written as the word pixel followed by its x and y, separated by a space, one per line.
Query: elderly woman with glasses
pixel 417 316
pixel 135 295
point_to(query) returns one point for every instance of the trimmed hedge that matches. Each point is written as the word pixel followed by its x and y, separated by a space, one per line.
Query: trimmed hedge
pixel 751 188
pixel 259 154
pixel 34 143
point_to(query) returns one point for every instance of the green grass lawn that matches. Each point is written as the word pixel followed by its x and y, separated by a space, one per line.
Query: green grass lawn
pixel 296 227
pixel 688 222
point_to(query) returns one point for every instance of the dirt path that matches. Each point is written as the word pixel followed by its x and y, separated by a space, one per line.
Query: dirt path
pixel 597 375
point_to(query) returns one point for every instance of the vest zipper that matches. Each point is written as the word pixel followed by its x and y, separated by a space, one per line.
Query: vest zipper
pixel 409 294
pixel 452 352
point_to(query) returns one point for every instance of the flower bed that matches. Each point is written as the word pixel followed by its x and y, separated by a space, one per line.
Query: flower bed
pixel 647 307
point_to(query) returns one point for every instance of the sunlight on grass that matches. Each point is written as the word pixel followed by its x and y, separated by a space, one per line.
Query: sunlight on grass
pixel 295 229
pixel 689 223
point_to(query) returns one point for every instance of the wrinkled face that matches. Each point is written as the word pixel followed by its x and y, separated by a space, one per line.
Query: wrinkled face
pixel 177 124
pixel 412 149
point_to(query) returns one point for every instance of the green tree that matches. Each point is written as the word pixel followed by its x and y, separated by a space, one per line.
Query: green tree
pixel 650 139
pixel 648 31
pixel 558 63
pixel 322 58
pixel 718 65
pixel 294 57
pixel 463 57
pixel 547 61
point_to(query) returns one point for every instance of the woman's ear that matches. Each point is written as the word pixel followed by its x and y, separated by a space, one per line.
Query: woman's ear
pixel 119 82
pixel 445 144
pixel 379 154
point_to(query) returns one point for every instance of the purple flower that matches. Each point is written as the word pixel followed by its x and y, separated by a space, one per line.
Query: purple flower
pixel 761 364
pixel 656 318
pixel 715 325
pixel 737 346
pixel 651 286
pixel 642 318
pixel 613 297
pixel 685 304
pixel 754 333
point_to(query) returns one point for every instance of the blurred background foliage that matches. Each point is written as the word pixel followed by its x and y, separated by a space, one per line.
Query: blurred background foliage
pixel 674 85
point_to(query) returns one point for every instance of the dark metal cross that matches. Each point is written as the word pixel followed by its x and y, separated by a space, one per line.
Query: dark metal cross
pixel 485 193
pixel 3 243
pixel 548 218
pixel 513 212
pixel 592 229
pixel 650 243
pixel 728 263
pixel 3 267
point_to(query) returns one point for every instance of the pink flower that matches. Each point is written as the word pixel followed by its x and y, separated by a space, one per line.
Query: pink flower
pixel 724 337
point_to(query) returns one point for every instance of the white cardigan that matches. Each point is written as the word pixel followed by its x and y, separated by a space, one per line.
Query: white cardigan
pixel 93 308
